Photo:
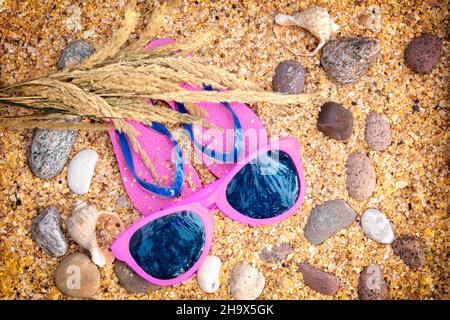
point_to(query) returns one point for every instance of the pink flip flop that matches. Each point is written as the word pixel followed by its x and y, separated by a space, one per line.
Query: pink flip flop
pixel 177 179
pixel 240 130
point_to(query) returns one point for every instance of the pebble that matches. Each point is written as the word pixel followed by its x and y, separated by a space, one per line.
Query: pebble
pixel 131 281
pixel 276 254
pixel 372 285
pixel 335 121
pixel 49 151
pixel 378 132
pixel 246 282
pixel 77 276
pixel 81 170
pixel 361 177
pixel 46 231
pixel 346 60
pixel 289 77
pixel 409 249
pixel 327 219
pixel 376 226
pixel 422 54
pixel 318 280
pixel 208 276
pixel 76 52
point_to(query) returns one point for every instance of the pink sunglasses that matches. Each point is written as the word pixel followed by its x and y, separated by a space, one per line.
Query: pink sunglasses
pixel 168 247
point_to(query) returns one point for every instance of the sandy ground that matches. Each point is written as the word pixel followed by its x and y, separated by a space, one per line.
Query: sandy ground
pixel 412 174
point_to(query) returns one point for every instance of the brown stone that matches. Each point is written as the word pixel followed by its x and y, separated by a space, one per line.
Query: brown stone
pixel 335 121
pixel 318 280
pixel 409 249
pixel 372 285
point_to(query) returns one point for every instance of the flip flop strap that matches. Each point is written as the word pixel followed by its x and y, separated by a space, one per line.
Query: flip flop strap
pixel 227 157
pixel 175 189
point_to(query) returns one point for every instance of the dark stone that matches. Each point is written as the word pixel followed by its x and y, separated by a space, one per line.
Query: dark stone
pixel 76 52
pixel 289 77
pixel 318 280
pixel 409 249
pixel 372 285
pixel 131 281
pixel 345 60
pixel 46 231
pixel 49 151
pixel 422 54
pixel 335 121
pixel 276 253
pixel 327 219
pixel 415 108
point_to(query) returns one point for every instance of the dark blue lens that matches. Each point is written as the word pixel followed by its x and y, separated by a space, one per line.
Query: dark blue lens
pixel 265 187
pixel 169 246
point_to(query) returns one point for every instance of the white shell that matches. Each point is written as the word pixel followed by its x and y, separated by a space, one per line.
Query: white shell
pixel 81 226
pixel 81 170
pixel 246 282
pixel 314 19
pixel 208 275
pixel 376 226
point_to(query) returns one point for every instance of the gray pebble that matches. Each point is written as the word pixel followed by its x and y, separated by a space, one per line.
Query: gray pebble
pixel 131 281
pixel 289 77
pixel 46 231
pixel 275 254
pixel 49 151
pixel 327 219
pixel 346 60
pixel 76 52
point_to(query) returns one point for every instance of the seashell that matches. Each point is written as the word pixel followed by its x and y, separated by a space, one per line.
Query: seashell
pixel 314 19
pixel 81 226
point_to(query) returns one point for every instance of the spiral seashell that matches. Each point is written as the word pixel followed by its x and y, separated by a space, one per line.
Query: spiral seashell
pixel 81 226
pixel 314 19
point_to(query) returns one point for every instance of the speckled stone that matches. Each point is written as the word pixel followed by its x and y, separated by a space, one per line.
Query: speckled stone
pixel 377 132
pixel 371 284
pixel 289 77
pixel 275 254
pixel 49 151
pixel 77 276
pixel 46 231
pixel 246 282
pixel 361 176
pixel 76 52
pixel 335 121
pixel 410 250
pixel 131 281
pixel 346 60
pixel 318 280
pixel 422 54
pixel 327 219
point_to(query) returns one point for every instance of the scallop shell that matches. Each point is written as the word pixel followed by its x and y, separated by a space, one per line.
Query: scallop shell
pixel 314 19
pixel 81 226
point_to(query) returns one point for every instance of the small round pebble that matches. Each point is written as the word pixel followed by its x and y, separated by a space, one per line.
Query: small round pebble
pixel 76 52
pixel 371 284
pixel 376 226
pixel 410 250
pixel 327 219
pixel 246 282
pixel 81 170
pixel 346 60
pixel 77 276
pixel 208 276
pixel 289 77
pixel 318 280
pixel 422 54
pixel 361 177
pixel 46 231
pixel 131 281
pixel 378 132
pixel 335 121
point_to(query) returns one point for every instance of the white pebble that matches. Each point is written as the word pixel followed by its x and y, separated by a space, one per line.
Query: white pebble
pixel 80 171
pixel 376 226
pixel 208 276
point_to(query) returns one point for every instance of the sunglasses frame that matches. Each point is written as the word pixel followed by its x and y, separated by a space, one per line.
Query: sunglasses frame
pixel 201 203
